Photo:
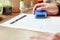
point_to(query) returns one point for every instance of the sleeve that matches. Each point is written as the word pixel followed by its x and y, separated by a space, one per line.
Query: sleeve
pixel 58 9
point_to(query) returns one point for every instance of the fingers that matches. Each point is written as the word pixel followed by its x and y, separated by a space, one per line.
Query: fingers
pixel 34 38
pixel 57 36
pixel 38 5
pixel 42 36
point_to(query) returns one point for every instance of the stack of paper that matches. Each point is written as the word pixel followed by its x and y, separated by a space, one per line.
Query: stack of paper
pixel 29 22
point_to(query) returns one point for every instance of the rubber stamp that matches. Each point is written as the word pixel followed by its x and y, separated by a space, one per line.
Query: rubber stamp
pixel 40 14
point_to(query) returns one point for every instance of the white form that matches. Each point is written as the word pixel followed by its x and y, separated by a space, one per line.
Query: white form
pixel 29 22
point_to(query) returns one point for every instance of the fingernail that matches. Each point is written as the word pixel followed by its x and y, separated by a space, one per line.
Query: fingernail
pixel 38 9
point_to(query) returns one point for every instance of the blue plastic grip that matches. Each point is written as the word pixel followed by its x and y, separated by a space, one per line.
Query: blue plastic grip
pixel 40 14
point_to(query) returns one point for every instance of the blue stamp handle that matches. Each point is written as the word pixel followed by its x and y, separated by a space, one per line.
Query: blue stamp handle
pixel 40 14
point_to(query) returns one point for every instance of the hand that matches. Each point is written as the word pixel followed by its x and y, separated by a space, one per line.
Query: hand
pixel 51 9
pixel 57 36
pixel 42 36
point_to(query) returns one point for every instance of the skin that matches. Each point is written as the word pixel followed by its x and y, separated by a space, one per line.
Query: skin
pixel 45 36
pixel 57 36
pixel 42 36
pixel 51 9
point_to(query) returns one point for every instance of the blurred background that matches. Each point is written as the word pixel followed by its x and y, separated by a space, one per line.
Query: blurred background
pixel 20 5
pixel 24 4
pixel 12 7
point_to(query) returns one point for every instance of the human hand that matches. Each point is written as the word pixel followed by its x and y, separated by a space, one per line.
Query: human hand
pixel 51 9
pixel 42 36
pixel 57 36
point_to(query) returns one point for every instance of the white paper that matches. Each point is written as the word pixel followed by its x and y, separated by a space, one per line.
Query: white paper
pixel 51 24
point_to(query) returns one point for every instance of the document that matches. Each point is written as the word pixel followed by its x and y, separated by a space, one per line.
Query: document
pixel 29 22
